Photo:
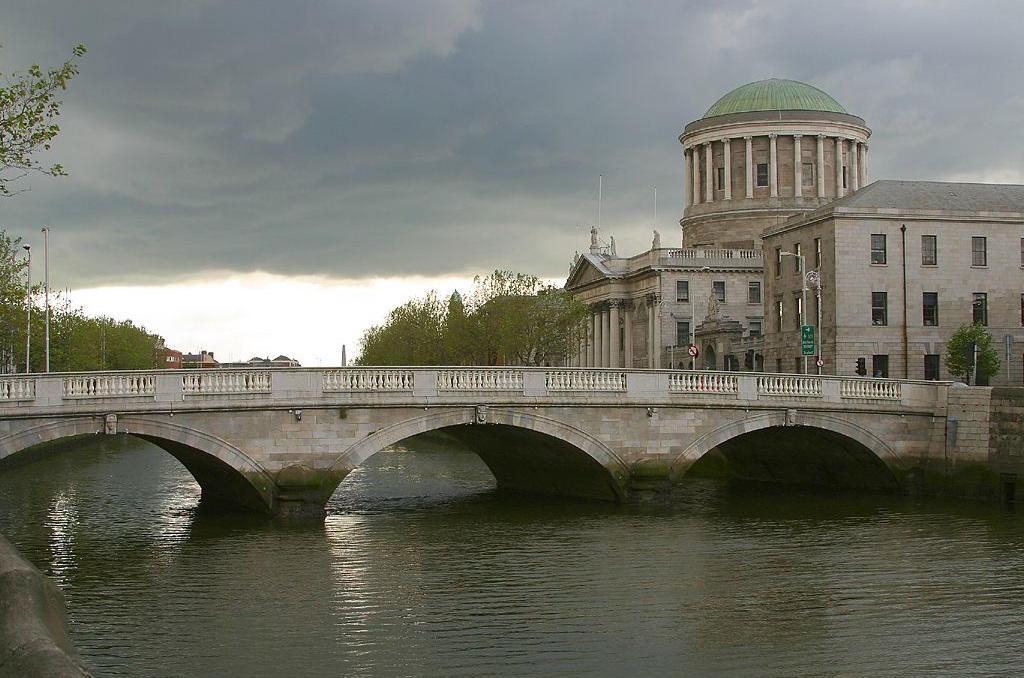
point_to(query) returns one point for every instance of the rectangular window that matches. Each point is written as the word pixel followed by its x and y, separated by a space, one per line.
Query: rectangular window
pixel 878 248
pixel 778 312
pixel 979 308
pixel 754 292
pixel 930 309
pixel 1022 308
pixel 797 252
pixel 762 174
pixel 979 251
pixel 931 367
pixel 929 250
pixel 1022 252
pixel 755 328
pixel 798 365
pixel 682 333
pixel 682 290
pixel 844 176
pixel 879 308
pixel 807 174
pixel 778 262
pixel 880 366
pixel 799 303
pixel 817 253
pixel 720 178
pixel 718 287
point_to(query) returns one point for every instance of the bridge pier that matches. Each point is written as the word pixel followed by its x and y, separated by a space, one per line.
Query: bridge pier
pixel 302 492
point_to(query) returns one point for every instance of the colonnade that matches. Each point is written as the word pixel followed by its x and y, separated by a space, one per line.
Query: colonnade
pixel 857 170
pixel 608 337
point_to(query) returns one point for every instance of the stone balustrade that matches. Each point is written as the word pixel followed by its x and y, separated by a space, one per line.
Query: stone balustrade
pixel 344 385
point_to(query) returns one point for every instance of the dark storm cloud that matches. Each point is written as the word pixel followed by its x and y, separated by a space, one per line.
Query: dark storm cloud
pixel 370 138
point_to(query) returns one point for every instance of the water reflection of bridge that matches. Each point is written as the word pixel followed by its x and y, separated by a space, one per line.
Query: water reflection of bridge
pixel 281 440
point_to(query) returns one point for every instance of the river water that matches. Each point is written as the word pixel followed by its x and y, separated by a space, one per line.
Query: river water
pixel 423 569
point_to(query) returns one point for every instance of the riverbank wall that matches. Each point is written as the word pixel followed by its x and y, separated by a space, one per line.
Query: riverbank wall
pixel 34 640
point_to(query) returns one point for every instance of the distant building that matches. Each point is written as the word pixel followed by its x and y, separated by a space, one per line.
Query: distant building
pixel 168 358
pixel 279 361
pixel 201 360
pixel 778 169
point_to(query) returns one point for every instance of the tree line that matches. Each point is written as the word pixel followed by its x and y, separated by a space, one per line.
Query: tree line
pixel 508 319
pixel 77 342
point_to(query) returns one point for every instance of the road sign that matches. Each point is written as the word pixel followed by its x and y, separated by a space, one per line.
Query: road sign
pixel 820 363
pixel 807 339
pixel 692 350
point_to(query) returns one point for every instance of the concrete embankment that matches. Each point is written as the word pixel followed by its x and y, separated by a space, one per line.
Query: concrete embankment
pixel 34 640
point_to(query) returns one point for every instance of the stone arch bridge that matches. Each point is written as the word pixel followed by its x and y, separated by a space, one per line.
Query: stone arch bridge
pixel 281 440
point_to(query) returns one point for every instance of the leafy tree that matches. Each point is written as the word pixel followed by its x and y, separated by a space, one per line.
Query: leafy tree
pixel 960 364
pixel 77 342
pixel 411 335
pixel 28 110
pixel 510 318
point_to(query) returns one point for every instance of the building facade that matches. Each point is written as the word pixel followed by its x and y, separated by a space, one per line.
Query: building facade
pixel 781 230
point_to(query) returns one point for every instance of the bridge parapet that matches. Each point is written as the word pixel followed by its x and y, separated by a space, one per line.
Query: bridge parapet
pixel 98 392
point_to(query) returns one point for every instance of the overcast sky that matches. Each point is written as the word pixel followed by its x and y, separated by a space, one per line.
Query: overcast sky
pixel 256 178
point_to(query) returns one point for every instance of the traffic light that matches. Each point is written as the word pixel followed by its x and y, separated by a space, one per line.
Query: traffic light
pixel 862 367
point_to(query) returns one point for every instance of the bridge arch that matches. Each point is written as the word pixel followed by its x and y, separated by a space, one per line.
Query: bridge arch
pixel 856 440
pixel 223 471
pixel 517 446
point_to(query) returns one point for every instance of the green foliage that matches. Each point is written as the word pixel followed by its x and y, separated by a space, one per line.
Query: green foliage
pixel 28 110
pixel 77 342
pixel 957 361
pixel 510 318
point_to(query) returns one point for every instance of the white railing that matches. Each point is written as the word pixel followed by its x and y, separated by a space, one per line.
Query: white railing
pixel 788 385
pixel 480 380
pixel 412 384
pixel 109 385
pixel 17 388
pixel 217 381
pixel 584 380
pixel 369 379
pixel 696 382
pixel 714 253
pixel 872 390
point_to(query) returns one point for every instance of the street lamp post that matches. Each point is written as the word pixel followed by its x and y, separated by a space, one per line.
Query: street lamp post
pixel 46 289
pixel 814 278
pixel 803 296
pixel 28 311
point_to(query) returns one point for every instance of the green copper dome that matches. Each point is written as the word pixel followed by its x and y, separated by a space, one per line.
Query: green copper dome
pixel 774 95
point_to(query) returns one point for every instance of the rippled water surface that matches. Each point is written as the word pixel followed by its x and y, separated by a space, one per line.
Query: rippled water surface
pixel 423 569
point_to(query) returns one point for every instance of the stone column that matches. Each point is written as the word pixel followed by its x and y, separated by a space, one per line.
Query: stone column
pixel 650 330
pixel 864 164
pixel 613 333
pixel 839 168
pixel 627 330
pixel 602 344
pixel 750 165
pixel 727 146
pixel 687 195
pixel 595 339
pixel 709 184
pixel 656 311
pixel 695 159
pixel 854 166
pixel 798 167
pixel 773 165
pixel 821 166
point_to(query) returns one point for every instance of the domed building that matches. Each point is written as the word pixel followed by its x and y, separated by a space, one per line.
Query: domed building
pixel 860 278
pixel 763 152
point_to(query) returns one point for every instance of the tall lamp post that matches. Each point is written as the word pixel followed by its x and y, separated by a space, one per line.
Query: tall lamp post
pixel 28 312
pixel 46 289
pixel 803 295
pixel 814 278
